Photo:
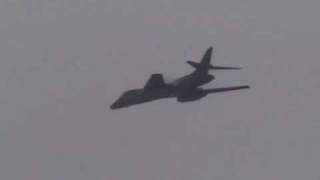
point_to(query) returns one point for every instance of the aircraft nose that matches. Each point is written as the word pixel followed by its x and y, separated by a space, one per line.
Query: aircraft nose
pixel 114 106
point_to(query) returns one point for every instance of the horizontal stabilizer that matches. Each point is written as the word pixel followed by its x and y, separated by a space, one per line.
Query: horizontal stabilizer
pixel 224 89
pixel 210 67
pixel 205 63
pixel 155 81
pixel 198 65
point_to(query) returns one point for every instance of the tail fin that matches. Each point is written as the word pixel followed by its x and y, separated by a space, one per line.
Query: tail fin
pixel 205 63
pixel 206 57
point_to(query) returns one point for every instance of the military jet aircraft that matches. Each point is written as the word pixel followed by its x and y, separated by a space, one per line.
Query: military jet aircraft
pixel 185 89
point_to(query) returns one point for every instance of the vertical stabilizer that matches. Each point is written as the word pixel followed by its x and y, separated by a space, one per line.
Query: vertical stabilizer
pixel 205 61
pixel 206 57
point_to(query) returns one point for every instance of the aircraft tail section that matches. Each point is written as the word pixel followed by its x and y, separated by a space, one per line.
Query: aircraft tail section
pixel 205 63
pixel 206 57
pixel 155 81
pixel 198 65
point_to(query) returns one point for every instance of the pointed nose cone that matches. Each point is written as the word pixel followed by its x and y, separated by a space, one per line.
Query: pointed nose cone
pixel 115 106
pixel 112 106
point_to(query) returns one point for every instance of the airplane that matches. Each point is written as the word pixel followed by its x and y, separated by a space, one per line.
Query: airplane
pixel 184 89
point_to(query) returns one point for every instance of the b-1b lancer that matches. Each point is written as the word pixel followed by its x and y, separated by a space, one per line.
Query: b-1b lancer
pixel 185 89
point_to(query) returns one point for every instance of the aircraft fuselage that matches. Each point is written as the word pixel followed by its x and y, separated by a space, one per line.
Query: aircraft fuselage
pixel 193 80
pixel 138 96
pixel 185 89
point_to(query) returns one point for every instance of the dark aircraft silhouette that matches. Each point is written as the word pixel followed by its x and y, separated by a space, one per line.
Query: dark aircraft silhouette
pixel 185 89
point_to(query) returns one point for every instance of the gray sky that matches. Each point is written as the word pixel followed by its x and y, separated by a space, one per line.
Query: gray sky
pixel 63 62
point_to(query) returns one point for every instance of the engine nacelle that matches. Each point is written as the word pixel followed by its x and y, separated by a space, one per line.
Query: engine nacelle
pixel 193 96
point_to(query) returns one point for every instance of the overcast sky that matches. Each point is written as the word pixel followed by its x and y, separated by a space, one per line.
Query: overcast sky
pixel 63 62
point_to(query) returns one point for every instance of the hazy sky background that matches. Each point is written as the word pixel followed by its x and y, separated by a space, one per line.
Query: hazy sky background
pixel 63 62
